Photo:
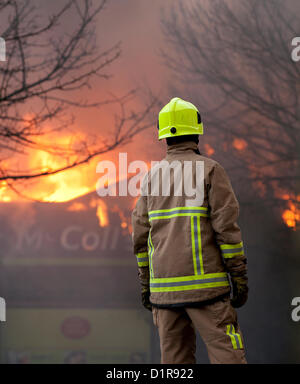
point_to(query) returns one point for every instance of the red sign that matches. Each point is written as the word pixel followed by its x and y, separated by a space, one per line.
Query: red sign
pixel 75 327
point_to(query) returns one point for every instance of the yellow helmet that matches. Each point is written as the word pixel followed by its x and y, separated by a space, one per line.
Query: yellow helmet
pixel 179 118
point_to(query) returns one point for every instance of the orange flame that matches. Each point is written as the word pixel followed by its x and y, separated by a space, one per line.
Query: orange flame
pixel 63 186
pixel 101 212
pixel 76 207
pixel 60 187
pixel 239 144
pixel 291 216
pixel 209 149
pixel 125 220
pixel 5 193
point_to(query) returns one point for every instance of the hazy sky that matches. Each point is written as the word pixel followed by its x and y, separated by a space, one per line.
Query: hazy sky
pixel 137 24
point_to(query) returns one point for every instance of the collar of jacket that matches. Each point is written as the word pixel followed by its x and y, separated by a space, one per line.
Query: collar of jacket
pixel 182 147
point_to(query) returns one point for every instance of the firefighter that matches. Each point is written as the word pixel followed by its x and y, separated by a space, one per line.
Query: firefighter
pixel 189 250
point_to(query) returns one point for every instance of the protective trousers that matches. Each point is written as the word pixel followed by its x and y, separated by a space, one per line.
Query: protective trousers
pixel 217 324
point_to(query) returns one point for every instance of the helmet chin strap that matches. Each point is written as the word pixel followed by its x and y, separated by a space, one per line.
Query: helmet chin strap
pixel 199 118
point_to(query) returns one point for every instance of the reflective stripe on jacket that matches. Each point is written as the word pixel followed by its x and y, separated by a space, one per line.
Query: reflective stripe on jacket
pixel 186 250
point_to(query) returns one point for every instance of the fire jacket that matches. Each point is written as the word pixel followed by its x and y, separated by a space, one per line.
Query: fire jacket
pixel 185 250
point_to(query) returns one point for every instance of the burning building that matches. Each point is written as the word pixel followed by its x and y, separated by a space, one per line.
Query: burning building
pixel 69 278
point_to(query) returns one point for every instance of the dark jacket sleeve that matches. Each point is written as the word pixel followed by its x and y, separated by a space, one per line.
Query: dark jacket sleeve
pixel 140 233
pixel 224 212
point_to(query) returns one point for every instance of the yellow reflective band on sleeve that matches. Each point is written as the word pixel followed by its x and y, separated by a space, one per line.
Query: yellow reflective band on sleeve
pixel 142 259
pixel 232 250
pixel 142 254
pixel 230 255
pixel 235 337
pixel 230 246
pixel 143 263
pixel 185 283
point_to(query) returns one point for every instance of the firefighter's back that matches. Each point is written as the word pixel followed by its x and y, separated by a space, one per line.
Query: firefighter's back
pixel 185 262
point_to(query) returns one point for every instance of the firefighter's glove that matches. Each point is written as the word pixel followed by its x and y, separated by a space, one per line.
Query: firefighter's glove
pixel 239 290
pixel 145 298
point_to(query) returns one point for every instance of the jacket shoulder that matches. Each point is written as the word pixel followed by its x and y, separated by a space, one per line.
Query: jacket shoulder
pixel 210 163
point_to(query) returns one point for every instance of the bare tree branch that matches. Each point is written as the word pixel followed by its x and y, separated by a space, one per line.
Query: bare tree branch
pixel 236 58
pixel 48 63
